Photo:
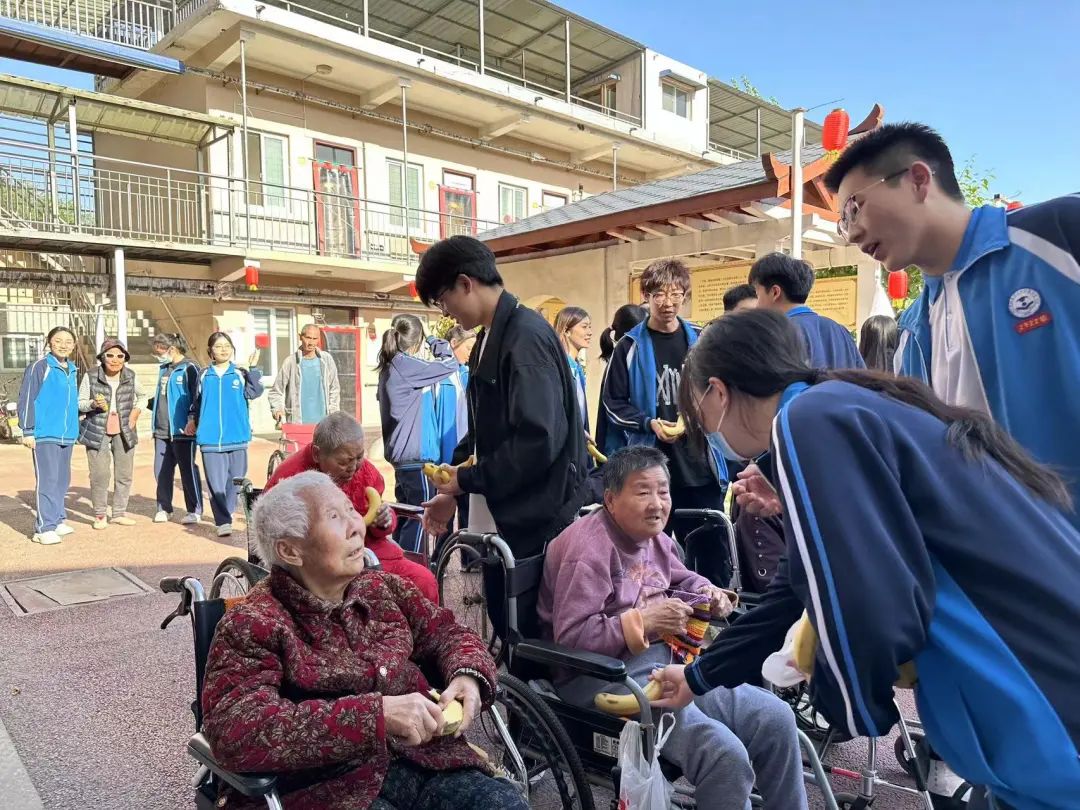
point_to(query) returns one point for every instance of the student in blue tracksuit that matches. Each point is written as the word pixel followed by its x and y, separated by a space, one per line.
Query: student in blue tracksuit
pixel 174 428
pixel 997 327
pixel 783 284
pixel 891 500
pixel 49 420
pixel 640 392
pixel 408 409
pixel 223 424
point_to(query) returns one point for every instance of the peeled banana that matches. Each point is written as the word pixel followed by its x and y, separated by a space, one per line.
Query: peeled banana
pixel 374 501
pixel 440 473
pixel 594 451
pixel 673 431
pixel 626 705
pixel 453 713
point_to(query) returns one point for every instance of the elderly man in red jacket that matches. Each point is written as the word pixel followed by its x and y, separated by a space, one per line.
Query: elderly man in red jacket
pixel 337 449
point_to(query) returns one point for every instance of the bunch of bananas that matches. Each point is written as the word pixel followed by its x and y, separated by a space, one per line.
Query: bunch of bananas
pixel 440 473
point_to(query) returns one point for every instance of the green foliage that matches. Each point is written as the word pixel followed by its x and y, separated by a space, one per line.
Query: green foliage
pixel 743 83
pixel 975 184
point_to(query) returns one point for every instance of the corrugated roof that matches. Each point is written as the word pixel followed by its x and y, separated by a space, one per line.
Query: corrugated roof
pixel 687 186
pixel 100 112
pixel 733 121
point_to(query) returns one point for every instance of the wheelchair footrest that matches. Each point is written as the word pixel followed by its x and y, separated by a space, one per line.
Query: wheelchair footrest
pixel 247 784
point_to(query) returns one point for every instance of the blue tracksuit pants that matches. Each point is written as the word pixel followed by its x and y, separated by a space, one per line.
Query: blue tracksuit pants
pixel 221 469
pixel 52 466
pixel 168 455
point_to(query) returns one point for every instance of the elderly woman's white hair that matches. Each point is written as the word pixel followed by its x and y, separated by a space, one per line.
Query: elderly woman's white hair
pixel 335 430
pixel 284 513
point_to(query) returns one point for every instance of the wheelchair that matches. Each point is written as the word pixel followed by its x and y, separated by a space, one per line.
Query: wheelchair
pixel 516 707
pixel 582 743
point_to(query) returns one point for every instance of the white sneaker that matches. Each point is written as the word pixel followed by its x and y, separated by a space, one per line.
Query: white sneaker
pixel 100 522
pixel 46 538
pixel 161 517
pixel 63 530
pixel 189 518
pixel 224 531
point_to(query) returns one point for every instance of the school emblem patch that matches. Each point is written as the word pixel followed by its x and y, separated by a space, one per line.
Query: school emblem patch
pixel 1025 302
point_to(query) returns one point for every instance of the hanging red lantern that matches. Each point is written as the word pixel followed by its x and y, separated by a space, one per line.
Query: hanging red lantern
pixel 412 291
pixel 251 276
pixel 1014 205
pixel 898 285
pixel 262 341
pixel 834 133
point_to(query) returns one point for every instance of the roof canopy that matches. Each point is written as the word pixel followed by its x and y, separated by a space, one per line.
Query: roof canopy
pixel 510 26
pixel 733 121
pixel 99 112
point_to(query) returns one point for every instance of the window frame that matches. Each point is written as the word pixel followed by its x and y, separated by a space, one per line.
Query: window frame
pixel 274 362
pixel 397 220
pixel 524 202
pixel 676 88
pixel 268 202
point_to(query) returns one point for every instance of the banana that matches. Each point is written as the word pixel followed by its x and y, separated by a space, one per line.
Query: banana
pixel 673 431
pixel 440 473
pixel 626 705
pixel 374 501
pixel 594 451
pixel 453 713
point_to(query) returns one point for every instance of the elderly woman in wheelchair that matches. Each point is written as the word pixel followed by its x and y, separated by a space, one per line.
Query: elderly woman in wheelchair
pixel 614 584
pixel 316 676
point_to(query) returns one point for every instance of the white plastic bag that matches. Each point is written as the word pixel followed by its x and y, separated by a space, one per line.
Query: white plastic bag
pixel 642 785
pixel 779 668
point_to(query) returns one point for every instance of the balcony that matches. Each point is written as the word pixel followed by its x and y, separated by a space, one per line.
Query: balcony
pixel 163 212
pixel 133 23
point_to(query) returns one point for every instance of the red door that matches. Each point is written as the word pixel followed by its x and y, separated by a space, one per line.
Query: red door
pixel 337 208
pixel 343 344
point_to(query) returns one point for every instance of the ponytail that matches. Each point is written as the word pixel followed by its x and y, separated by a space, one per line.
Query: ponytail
pixel 406 332
pixel 758 353
pixel 626 318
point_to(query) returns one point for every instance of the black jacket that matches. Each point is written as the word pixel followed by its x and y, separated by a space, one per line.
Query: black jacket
pixel 523 418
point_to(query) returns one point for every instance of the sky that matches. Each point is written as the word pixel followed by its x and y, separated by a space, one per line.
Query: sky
pixel 999 79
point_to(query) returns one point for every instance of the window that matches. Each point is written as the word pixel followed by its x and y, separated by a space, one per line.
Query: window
pixel 549 200
pixel 463 182
pixel 338 155
pixel 513 203
pixel 397 197
pixel 18 351
pixel 280 325
pixel 602 96
pixel 677 99
pixel 267 156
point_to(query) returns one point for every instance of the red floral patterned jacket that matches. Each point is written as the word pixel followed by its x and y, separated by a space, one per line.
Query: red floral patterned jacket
pixel 294 686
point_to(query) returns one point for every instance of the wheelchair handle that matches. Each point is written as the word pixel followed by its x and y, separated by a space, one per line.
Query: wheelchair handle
pixel 190 590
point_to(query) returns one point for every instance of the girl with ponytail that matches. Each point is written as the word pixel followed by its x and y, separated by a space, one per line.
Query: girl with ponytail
pixel 912 527
pixel 416 409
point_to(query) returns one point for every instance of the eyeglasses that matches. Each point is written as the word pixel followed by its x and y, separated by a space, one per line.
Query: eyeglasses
pixel 114 356
pixel 849 211
pixel 673 296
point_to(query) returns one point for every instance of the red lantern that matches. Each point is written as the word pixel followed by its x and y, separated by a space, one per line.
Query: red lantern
pixel 412 291
pixel 834 133
pixel 1014 205
pixel 898 285
pixel 251 276
pixel 262 341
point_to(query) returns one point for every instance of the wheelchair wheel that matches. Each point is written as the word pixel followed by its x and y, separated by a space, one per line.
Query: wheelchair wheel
pixel 234 578
pixel 275 458
pixel 553 776
pixel 461 590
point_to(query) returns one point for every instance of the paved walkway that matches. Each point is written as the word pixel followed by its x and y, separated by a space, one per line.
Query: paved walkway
pixel 95 699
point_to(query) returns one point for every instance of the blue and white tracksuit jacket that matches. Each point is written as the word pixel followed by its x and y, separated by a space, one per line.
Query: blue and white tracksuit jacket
pixel 889 555
pixel 1000 332
pixel 49 402
pixel 223 421
pixel 183 385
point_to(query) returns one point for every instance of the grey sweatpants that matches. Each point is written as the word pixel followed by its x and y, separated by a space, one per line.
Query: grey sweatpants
pixel 110 461
pixel 52 467
pixel 722 739
pixel 221 469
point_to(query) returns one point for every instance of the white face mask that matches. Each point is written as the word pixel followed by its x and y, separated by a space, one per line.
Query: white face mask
pixel 718 441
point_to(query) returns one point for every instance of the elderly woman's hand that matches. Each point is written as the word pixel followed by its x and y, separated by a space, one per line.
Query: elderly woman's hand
pixel 466 689
pixel 413 719
pixel 755 494
pixel 721 602
pixel 384 517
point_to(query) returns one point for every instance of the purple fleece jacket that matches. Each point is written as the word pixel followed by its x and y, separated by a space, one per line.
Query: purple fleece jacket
pixel 596 580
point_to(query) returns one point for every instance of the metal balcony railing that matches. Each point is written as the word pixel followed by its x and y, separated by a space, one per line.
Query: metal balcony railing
pixel 42 191
pixel 135 23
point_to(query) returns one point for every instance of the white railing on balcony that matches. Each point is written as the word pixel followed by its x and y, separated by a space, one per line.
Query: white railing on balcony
pixel 738 154
pixel 136 23
pixel 41 193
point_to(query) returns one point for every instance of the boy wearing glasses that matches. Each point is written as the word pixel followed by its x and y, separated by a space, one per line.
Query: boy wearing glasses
pixel 640 394
pixel 997 327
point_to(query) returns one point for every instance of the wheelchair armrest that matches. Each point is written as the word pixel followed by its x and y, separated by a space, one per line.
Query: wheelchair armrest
pixel 581 661
pixel 248 785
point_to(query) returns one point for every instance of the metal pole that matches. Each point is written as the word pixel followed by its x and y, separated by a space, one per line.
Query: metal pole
pixel 54 207
pixel 615 167
pixel 644 70
pixel 759 131
pixel 405 85
pixel 244 142
pixel 796 181
pixel 480 7
pixel 567 35
pixel 73 146
pixel 367 31
pixel 121 295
